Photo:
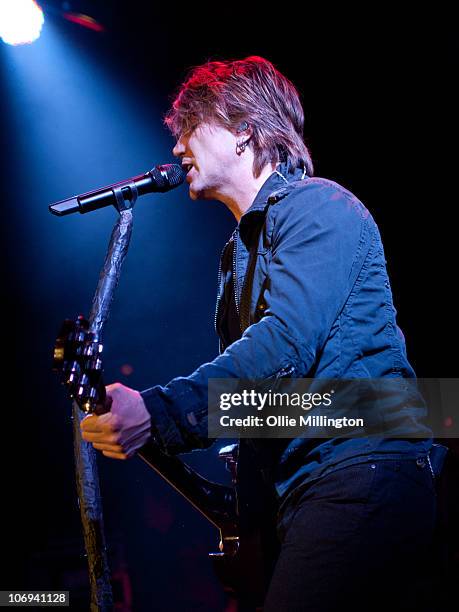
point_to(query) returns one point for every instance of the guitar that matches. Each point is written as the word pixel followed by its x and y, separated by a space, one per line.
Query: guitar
pixel 247 546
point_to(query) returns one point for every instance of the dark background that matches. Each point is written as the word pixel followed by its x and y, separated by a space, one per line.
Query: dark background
pixel 81 109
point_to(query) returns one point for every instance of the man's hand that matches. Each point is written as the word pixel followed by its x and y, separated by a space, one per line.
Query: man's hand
pixel 122 431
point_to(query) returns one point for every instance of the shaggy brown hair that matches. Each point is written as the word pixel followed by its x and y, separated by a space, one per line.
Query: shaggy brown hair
pixel 253 90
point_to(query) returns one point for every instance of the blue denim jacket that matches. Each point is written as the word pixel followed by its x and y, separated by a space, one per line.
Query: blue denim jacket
pixel 314 300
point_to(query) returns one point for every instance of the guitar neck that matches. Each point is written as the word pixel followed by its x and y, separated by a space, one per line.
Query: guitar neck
pixel 215 501
pixel 76 346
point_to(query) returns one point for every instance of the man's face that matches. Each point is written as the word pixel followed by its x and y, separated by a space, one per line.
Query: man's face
pixel 211 151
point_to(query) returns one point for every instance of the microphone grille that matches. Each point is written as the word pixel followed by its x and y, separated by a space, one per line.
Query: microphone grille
pixel 175 173
pixel 167 176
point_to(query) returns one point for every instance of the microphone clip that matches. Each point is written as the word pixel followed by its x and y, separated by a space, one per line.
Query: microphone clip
pixel 123 202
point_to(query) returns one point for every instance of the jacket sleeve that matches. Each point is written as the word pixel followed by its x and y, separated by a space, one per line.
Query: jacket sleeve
pixel 320 237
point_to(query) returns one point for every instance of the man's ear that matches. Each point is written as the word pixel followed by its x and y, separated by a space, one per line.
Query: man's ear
pixel 244 127
pixel 244 134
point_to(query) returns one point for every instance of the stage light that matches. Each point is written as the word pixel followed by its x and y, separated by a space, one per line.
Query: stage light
pixel 20 21
pixel 84 20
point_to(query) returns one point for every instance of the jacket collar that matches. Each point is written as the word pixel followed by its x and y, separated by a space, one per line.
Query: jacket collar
pixel 275 186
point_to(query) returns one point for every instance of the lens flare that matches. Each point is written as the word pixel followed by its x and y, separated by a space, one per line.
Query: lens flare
pixel 20 21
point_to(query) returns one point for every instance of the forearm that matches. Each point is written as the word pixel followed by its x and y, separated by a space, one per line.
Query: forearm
pixel 179 410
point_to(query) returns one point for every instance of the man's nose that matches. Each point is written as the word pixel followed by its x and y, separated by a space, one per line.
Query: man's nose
pixel 179 148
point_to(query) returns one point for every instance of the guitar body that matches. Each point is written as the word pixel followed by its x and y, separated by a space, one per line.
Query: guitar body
pixel 245 516
pixel 248 572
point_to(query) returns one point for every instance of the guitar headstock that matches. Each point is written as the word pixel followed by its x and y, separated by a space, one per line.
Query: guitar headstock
pixel 78 358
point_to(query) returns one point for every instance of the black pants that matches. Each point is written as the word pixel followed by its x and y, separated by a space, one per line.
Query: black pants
pixel 360 538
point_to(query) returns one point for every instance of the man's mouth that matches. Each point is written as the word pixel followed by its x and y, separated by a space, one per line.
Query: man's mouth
pixel 187 167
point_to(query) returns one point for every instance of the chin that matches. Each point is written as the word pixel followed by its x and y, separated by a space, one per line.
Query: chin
pixel 198 194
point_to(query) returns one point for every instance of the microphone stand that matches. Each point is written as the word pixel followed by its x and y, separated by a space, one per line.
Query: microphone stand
pixel 87 479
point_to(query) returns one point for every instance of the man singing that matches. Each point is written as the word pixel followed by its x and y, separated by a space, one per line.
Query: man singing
pixel 303 293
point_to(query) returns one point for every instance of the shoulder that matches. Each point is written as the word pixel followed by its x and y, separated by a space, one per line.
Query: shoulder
pixel 317 196
pixel 317 205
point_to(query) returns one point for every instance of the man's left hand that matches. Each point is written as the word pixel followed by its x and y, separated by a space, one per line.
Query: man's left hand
pixel 122 431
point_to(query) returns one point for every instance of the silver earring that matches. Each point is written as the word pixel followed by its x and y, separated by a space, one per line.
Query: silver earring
pixel 240 147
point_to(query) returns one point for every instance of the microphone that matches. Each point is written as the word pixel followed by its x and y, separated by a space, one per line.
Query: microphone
pixel 159 179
